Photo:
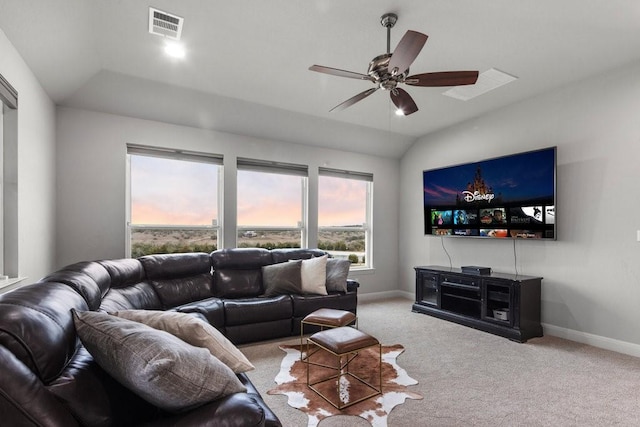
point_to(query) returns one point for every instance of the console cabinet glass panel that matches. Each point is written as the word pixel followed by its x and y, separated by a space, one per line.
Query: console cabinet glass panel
pixel 498 302
pixel 426 288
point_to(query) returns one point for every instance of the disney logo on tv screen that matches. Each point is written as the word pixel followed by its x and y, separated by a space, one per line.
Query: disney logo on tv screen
pixel 476 196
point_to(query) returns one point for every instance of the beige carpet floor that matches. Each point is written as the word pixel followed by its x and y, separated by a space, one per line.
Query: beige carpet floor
pixel 472 378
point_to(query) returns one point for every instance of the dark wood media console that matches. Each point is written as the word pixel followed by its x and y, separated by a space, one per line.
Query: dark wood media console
pixel 470 300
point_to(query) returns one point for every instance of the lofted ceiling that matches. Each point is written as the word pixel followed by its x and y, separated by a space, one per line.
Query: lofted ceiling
pixel 246 65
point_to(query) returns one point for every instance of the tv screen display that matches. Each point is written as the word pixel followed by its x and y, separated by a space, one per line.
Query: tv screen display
pixel 506 197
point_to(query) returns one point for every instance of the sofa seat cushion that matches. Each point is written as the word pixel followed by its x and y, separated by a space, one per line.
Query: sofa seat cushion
pixel 194 331
pixel 23 393
pixel 211 309
pixel 245 311
pixel 173 292
pixel 140 295
pixel 80 388
pixel 262 331
pixel 158 366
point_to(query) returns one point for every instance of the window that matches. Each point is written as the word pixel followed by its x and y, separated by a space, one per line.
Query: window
pixel 272 199
pixel 8 179
pixel 344 215
pixel 174 203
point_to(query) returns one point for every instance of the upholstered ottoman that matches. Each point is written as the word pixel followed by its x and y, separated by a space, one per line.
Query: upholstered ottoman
pixel 336 385
pixel 327 318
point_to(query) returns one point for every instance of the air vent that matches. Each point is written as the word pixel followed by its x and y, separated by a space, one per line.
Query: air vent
pixel 165 24
pixel 487 81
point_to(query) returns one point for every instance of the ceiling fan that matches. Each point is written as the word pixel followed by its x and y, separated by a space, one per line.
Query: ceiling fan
pixel 388 70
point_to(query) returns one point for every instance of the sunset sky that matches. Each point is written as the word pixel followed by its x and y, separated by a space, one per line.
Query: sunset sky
pixel 166 191
pixel 175 192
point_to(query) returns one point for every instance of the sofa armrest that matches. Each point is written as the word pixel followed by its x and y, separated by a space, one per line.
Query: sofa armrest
pixel 352 285
pixel 239 409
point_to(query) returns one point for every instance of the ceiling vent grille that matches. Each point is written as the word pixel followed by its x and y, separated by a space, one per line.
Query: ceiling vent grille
pixel 165 24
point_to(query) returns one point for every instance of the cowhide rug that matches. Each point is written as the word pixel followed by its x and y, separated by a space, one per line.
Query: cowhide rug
pixel 292 382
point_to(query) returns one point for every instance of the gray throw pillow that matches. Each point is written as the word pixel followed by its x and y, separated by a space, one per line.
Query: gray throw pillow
pixel 283 278
pixel 194 331
pixel 337 273
pixel 157 366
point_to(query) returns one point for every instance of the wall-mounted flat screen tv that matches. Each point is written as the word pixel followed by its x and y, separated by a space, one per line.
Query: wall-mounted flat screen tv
pixel 507 197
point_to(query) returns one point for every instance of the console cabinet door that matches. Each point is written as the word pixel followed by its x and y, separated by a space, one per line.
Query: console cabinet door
pixel 427 288
pixel 498 302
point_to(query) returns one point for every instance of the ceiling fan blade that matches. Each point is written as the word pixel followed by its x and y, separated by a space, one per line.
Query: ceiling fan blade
pixel 406 52
pixel 339 73
pixel 443 78
pixel 403 101
pixel 359 97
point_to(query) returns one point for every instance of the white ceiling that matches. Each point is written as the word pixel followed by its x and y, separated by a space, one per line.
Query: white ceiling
pixel 246 69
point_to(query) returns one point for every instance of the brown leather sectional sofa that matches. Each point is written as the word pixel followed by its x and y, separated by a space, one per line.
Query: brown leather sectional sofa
pixel 49 379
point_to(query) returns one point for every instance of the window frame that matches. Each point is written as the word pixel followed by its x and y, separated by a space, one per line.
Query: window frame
pixel 9 218
pixel 173 154
pixel 367 226
pixel 278 168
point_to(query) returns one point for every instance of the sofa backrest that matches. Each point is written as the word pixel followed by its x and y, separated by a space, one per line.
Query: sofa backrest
pixel 283 255
pixel 179 278
pixel 89 278
pixel 237 273
pixel 129 287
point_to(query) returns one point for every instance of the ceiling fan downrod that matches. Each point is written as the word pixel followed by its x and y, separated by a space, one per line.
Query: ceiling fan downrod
pixel 388 20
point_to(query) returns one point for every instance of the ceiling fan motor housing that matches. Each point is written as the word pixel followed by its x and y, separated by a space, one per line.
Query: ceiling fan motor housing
pixel 379 72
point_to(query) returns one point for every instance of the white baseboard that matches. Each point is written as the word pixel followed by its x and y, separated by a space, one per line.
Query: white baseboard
pixel 570 334
pixel 377 296
pixel 594 340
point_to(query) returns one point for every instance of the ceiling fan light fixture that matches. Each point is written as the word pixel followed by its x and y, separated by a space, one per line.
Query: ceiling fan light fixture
pixel 399 112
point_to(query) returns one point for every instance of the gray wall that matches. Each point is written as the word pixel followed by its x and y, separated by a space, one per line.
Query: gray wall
pixel 36 166
pixel 92 181
pixel 591 286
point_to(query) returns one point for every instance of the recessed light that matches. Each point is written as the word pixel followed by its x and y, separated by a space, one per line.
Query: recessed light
pixel 174 50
